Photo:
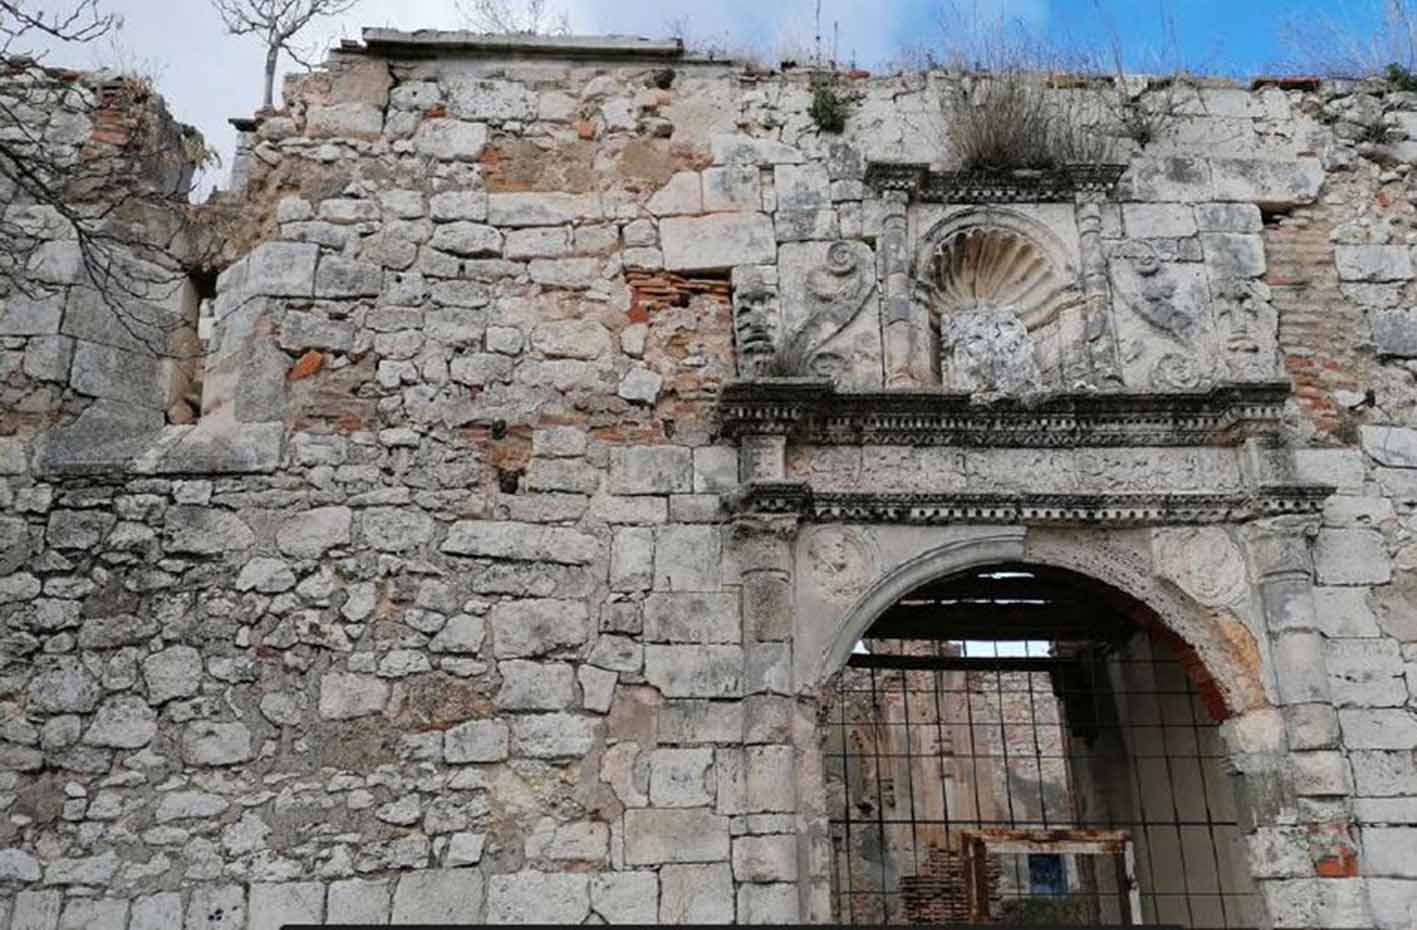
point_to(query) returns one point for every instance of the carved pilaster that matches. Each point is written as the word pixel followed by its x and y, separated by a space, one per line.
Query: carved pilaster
pixel 1100 367
pixel 907 332
pixel 1279 553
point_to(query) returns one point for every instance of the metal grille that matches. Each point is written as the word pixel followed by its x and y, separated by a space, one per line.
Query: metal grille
pixel 1038 778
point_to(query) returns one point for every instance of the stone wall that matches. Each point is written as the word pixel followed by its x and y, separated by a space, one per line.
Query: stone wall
pixel 438 613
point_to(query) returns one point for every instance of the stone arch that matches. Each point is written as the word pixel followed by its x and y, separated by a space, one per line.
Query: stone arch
pixel 1215 646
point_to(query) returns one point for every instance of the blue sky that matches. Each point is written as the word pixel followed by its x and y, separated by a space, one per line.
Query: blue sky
pixel 208 76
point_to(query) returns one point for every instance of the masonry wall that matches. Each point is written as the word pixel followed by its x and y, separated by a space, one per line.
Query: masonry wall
pixel 437 614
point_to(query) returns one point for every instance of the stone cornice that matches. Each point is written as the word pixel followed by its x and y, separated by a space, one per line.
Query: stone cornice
pixel 1048 185
pixel 1116 510
pixel 812 412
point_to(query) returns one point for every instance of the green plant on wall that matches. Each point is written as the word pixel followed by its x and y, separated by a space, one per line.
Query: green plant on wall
pixel 830 106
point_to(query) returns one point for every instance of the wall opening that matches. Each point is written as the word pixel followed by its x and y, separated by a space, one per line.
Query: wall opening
pixel 1009 746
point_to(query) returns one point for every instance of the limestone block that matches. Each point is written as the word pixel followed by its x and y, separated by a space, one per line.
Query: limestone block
pixel 122 722
pixel 632 559
pixel 204 531
pixel 717 242
pixel 77 529
pixel 209 743
pixel 476 741
pixel 462 634
pixel 107 372
pixel 1351 557
pixel 438 896
pixel 521 542
pixel 768 904
pixel 356 901
pixel 1230 255
pixel 1373 263
pixel 651 470
pixel 1345 612
pixel 625 897
pixel 695 671
pixel 692 618
pixel 618 653
pixel 701 722
pixel 1393 446
pixel 458 205
pixel 552 736
pixel 83 870
pixel 733 149
pixel 583 339
pixel 1366 673
pixel 538 242
pixel 497 101
pixel 770 778
pixel 566 272
pixel 1158 221
pixel 338 277
pixel 1229 218
pixel 450 139
pixel 216 907
pixel 473 240
pixel 538 897
pixel 63 687
pixel 527 628
pixel 34 315
pixel 535 686
pixel 681 778
pixel 1342 468
pixel 94 914
pixel 696 894
pixel 36 910
pixel 682 194
pixel 346 696
pixel 688 558
pixel 156 912
pixel 1394 902
pixel 17 865
pixel 765 858
pixel 344 120
pixel 542 209
pixel 1167 180
pixel 275 904
pixel 655 836
pixel 1395 333
pixel 397 529
pixel 267 576
pixel 1267 183
pixel 729 189
pixel 640 386
pixel 311 534
pixel 1365 728
pixel 281 269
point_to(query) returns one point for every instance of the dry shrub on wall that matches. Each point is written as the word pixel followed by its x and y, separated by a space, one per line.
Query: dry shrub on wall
pixel 1353 39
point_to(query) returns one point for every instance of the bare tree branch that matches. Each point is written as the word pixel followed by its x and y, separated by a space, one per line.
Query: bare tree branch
pixel 276 23
pixel 506 17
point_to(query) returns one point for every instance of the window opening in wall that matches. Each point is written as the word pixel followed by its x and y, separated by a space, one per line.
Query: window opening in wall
pixel 187 348
pixel 1009 747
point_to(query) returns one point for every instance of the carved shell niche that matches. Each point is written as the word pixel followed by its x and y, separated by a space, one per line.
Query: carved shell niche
pixel 992 268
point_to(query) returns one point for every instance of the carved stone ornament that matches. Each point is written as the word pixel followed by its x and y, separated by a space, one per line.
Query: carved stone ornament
pixel 1154 297
pixel 1243 312
pixel 757 322
pixel 842 561
pixel 1175 372
pixel 831 296
pixel 1000 289
pixel 1204 562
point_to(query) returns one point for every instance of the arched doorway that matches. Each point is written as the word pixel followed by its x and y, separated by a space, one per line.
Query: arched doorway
pixel 1016 743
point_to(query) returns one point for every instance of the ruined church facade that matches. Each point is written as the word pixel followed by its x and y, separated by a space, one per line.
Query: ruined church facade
pixel 586 447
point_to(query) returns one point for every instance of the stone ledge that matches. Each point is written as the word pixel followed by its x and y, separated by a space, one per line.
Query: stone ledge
pixel 813 412
pixel 424 41
pixel 1116 510
pixel 220 448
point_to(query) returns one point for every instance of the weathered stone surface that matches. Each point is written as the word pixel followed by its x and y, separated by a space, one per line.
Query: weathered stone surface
pixel 536 627
pixel 274 905
pixel 535 686
pixel 64 687
pixel 688 835
pixel 1351 557
pixel 203 531
pixel 311 534
pixel 216 907
pixel 695 671
pixel 542 209
pixel 447 896
pixel 344 696
pixel 538 897
pixel 450 140
pixel 521 542
pixel 174 672
pixel 476 741
pixel 717 241
pixel 692 618
pixel 625 897
pixel 1373 263
pixel 687 558
pixel 17 865
pixel 123 722
pixel 552 736
pixel 696 894
pixel 206 743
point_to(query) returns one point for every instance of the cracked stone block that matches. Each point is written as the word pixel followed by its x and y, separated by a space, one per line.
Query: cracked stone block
pixel 717 242
pixel 538 897
pixel 444 896
pixel 275 904
pixel 450 139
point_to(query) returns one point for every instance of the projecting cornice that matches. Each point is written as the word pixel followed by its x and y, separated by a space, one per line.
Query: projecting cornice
pixel 812 412
pixel 1043 185
pixel 1114 510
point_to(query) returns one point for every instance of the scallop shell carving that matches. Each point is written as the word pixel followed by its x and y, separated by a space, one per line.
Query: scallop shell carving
pixel 991 269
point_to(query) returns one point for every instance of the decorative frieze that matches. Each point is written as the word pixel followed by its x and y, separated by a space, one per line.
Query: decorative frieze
pixel 1051 185
pixel 1113 510
pixel 813 412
